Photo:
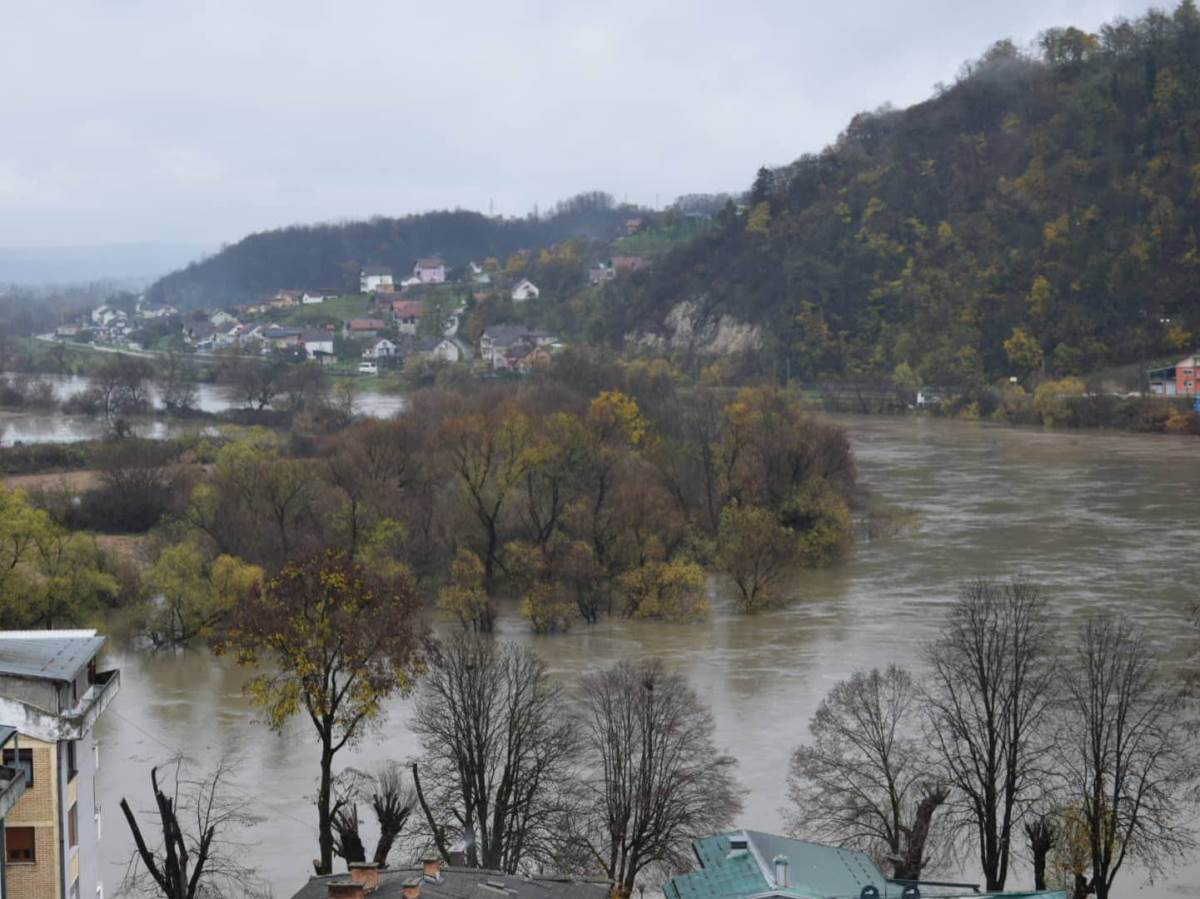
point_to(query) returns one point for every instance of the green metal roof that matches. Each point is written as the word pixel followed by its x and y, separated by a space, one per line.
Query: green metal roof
pixel 814 871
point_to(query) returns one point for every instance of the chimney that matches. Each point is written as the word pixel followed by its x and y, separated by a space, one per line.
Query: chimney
pixel 431 868
pixel 781 871
pixel 412 888
pixel 345 889
pixel 365 873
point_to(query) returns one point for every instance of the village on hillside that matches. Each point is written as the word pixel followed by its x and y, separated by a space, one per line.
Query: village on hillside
pixel 432 314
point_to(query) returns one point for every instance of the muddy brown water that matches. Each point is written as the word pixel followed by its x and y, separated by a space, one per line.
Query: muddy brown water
pixel 1102 520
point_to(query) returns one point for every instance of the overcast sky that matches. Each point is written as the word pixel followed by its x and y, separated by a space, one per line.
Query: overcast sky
pixel 197 122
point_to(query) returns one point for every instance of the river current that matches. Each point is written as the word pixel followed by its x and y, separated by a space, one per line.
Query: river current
pixel 1101 520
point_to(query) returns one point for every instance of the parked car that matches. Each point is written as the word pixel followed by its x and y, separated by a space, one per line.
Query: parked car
pixel 368 368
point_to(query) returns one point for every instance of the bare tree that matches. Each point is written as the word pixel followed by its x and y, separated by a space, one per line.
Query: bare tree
pixel 1124 752
pixel 197 852
pixel 498 749
pixel 177 385
pixel 866 780
pixel 989 693
pixel 655 779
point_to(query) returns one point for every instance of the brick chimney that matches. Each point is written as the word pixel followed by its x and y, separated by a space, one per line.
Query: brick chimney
pixel 345 889
pixel 431 868
pixel 412 888
pixel 366 873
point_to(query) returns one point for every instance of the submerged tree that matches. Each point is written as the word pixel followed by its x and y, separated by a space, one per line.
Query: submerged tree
pixel 866 779
pixel 497 752
pixel 331 642
pixel 655 780
pixel 195 849
pixel 988 701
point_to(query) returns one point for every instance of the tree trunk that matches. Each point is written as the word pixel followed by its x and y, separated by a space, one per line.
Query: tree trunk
pixel 324 865
pixel 913 860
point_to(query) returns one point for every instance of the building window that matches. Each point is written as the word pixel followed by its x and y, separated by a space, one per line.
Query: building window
pixel 73 826
pixel 19 841
pixel 72 761
pixel 21 758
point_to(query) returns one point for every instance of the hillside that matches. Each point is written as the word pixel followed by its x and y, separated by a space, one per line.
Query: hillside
pixel 330 255
pixel 1043 210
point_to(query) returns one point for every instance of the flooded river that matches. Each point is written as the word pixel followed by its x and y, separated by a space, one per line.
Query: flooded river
pixel 1101 520
pixel 51 426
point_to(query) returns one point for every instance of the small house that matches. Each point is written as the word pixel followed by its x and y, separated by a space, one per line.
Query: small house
pixel 364 327
pixel 525 290
pixel 407 314
pixel 430 270
pixel 600 273
pixel 317 344
pixel 380 349
pixel 375 277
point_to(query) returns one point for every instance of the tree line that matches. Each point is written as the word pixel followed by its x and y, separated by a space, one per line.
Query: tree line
pixel 1012 743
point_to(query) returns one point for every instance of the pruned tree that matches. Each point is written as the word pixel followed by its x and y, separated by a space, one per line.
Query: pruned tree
pixel 391 799
pixel 498 749
pixel 988 699
pixel 1042 833
pixel 1125 755
pixel 332 642
pixel 196 847
pixel 866 779
pixel 654 780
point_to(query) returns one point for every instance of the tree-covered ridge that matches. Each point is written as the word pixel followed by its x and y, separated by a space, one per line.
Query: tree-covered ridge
pixel 1040 211
pixel 329 256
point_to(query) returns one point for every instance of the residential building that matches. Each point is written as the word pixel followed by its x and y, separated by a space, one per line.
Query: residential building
pixel 634 225
pixel 1187 376
pixel 375 277
pixel 380 349
pixel 12 788
pixel 283 338
pixel 363 327
pixel 285 298
pixel 501 345
pixel 221 317
pixel 430 270
pixel 435 349
pixel 52 692
pixel 747 863
pixel 479 274
pixel 408 315
pixel 432 880
pixel 318 344
pixel 525 290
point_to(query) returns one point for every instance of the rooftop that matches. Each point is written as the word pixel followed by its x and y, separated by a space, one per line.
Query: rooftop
pixel 52 655
pixel 468 883
pixel 376 270
pixel 743 864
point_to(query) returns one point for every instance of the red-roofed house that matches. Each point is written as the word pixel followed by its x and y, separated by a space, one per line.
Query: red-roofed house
pixel 407 314
pixel 364 327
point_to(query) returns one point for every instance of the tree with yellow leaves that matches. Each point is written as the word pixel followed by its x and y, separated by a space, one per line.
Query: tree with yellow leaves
pixel 331 642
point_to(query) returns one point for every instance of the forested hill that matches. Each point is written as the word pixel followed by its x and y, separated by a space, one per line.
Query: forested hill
pixel 1044 205
pixel 330 255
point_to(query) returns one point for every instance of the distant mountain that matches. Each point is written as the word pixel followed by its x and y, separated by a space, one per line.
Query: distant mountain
pixel 132 265
pixel 330 255
pixel 1042 210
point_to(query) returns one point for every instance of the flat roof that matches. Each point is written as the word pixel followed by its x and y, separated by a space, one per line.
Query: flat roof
pixel 53 655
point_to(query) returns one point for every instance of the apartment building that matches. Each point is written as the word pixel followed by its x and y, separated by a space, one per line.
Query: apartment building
pixel 51 695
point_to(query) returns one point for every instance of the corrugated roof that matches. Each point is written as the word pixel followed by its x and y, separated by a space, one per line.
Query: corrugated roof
pixel 54 655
